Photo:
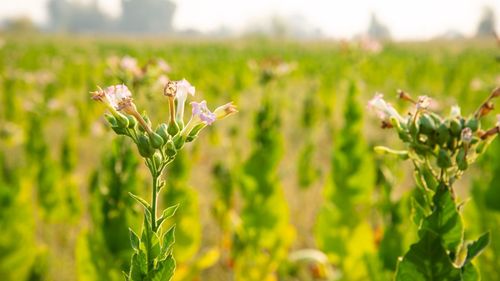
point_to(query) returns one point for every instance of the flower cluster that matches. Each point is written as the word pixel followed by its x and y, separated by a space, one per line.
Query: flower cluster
pixel 453 141
pixel 158 147
pixel 125 117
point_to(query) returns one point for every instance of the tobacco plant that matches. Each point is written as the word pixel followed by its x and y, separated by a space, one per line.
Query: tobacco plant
pixel 152 257
pixel 441 149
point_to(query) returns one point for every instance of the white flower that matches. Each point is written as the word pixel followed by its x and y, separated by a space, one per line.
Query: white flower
pixel 423 102
pixel 383 109
pixel 183 88
pixel 117 94
pixel 467 135
pixel 455 111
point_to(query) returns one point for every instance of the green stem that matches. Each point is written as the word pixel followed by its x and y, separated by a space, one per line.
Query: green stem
pixel 153 202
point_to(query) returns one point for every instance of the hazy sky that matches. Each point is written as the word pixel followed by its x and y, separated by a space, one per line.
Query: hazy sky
pixel 406 19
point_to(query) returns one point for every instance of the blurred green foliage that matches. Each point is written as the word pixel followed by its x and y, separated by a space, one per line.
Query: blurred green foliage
pixel 304 175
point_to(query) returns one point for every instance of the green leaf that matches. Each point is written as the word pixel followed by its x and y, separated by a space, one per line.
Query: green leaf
pixel 476 247
pixel 470 273
pixel 165 270
pixel 427 260
pixel 134 239
pixel 168 241
pixel 143 202
pixel 138 267
pixel 445 221
pixel 418 212
pixel 167 213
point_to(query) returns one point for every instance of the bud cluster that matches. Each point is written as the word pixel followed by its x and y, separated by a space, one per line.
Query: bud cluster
pixel 446 145
pixel 161 143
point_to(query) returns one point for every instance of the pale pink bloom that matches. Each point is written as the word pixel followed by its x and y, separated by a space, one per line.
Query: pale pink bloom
pixel 455 111
pixel 383 109
pixel 183 88
pixel 129 63
pixel 201 112
pixel 467 135
pixel 117 94
pixel 163 65
pixel 423 102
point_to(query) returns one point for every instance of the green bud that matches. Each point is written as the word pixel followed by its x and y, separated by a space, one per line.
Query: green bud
pixel 427 125
pixel 443 134
pixel 148 122
pixel 473 124
pixel 435 118
pixel 414 129
pixel 121 120
pixel 163 132
pixel 452 143
pixel 156 140
pixel 111 119
pixel 144 146
pixel 462 159
pixel 444 159
pixel 131 122
pixel 171 151
pixel 455 127
pixel 173 128
pixel 119 130
pixel 157 159
pixel 179 142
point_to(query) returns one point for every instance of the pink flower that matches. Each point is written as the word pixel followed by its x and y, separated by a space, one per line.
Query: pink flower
pixel 183 88
pixel 201 111
pixel 383 109
pixel 423 102
pixel 117 95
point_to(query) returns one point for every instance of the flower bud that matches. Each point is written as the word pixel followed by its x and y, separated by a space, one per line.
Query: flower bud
pixel 121 120
pixel 426 125
pixel 179 142
pixel 455 127
pixel 131 122
pixel 473 124
pixel 443 134
pixel 147 123
pixel 111 119
pixel 173 128
pixel 171 151
pixel 443 160
pixel 144 146
pixel 119 130
pixel 462 159
pixel 162 131
pixel 156 140
pixel 157 159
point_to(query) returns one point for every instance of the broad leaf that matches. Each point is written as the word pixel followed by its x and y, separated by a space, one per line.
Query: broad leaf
pixel 427 260
pixel 445 221
pixel 168 240
pixel 165 270
pixel 134 239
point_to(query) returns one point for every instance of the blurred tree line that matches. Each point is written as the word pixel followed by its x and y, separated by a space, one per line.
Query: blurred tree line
pixel 138 16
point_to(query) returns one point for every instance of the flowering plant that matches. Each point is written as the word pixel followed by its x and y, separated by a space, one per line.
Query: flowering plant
pixel 152 258
pixel 441 149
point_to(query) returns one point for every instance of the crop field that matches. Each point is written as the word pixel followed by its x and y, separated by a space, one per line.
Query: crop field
pixel 292 186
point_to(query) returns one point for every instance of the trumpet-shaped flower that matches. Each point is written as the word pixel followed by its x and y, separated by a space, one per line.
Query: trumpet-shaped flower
pixel 383 109
pixel 201 112
pixel 225 110
pixel 183 88
pixel 113 96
